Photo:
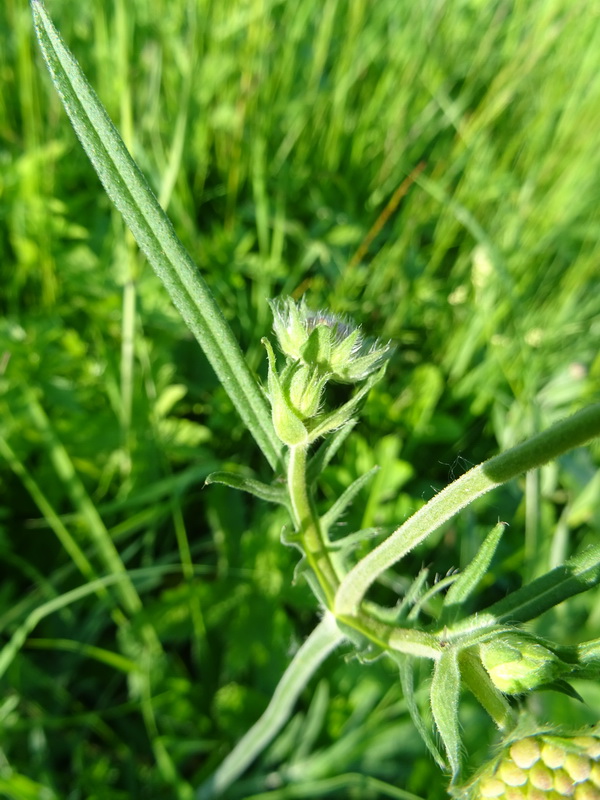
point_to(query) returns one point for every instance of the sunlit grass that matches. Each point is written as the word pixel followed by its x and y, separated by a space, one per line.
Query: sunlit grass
pixel 275 134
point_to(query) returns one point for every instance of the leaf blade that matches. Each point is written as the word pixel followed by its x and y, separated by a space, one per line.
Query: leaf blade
pixel 271 494
pixel 317 647
pixel 154 233
pixel 345 499
pixel 405 666
pixel 471 576
pixel 579 573
pixel 445 692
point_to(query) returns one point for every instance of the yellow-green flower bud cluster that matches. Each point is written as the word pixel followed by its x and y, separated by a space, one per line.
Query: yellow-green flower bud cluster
pixel 543 767
pixel 287 413
pixel 318 347
pixel 330 344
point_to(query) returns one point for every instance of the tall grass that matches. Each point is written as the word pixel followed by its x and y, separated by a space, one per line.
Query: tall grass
pixel 275 134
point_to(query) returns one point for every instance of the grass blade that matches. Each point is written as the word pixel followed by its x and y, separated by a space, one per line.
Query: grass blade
pixel 94 526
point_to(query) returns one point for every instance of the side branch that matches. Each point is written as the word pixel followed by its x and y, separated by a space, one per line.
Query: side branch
pixel 565 435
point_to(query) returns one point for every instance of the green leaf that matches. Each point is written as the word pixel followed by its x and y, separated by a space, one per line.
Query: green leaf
pixel 327 450
pixel 412 595
pixel 288 426
pixel 40 612
pixel 587 655
pixel 466 583
pixel 584 506
pixel 405 666
pixel 445 692
pixel 353 540
pixel 340 416
pixel 341 504
pixel 564 435
pixel 129 191
pixel 272 494
pixel 321 642
pixel 341 549
pixel 314 723
pixel 15 786
pixel 563 687
pixel 578 574
pixel 438 586
pixel 114 660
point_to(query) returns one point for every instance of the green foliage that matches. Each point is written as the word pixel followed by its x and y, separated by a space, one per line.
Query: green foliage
pixel 147 621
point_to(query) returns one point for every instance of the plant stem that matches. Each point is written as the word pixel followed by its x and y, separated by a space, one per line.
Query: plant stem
pixel 314 546
pixel 408 641
pixel 308 524
pixel 565 435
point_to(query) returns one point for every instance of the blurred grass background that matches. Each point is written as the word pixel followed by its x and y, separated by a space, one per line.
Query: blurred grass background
pixel 146 621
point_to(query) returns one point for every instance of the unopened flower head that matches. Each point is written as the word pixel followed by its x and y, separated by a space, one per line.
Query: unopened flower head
pixel 327 342
pixel 517 664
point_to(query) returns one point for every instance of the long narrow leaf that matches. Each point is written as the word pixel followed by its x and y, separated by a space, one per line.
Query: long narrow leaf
pixel 341 504
pixel 93 524
pixel 445 692
pixel 327 450
pixel 129 191
pixel 405 665
pixel 272 494
pixel 466 583
pixel 321 642
pixel 578 574
pixel 339 416
pixel 19 637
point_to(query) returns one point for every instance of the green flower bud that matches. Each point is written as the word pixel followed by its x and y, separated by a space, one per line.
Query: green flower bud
pixel 517 664
pixel 286 421
pixel 543 765
pixel 295 397
pixel 330 344
pixel 303 387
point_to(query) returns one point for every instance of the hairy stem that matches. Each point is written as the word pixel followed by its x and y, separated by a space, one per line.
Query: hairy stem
pixel 314 546
pixel 565 435
pixel 308 524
